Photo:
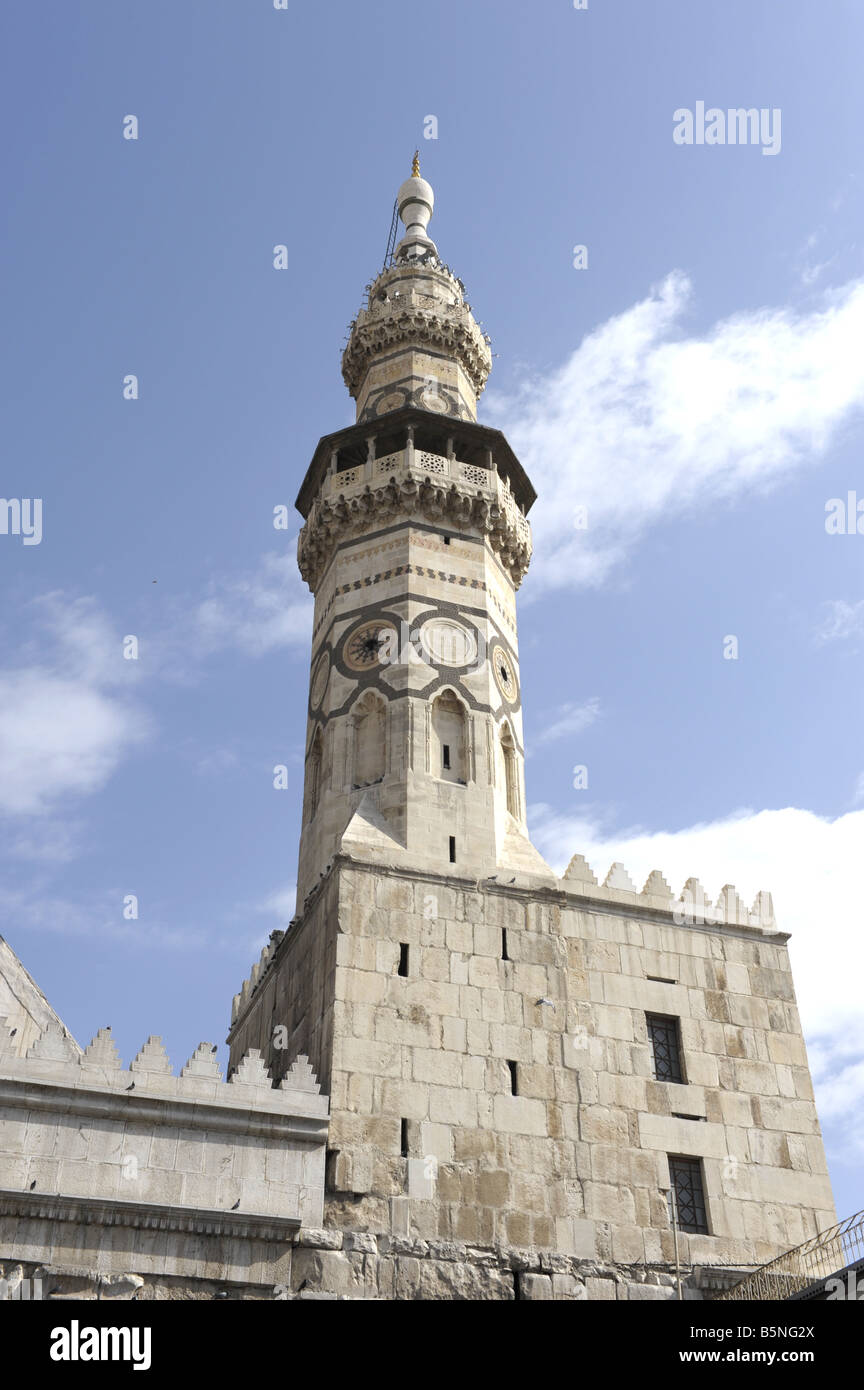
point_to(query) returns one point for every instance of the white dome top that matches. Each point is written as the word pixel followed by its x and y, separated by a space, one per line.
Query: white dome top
pixel 415 201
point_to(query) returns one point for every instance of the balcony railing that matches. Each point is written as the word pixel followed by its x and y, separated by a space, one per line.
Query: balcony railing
pixel 421 464
pixel 820 1257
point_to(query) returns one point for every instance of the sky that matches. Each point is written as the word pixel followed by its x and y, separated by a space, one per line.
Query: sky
pixel 685 392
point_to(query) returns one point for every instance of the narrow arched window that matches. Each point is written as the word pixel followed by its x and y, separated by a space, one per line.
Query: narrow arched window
pixel 511 771
pixel 313 783
pixel 449 738
pixel 370 740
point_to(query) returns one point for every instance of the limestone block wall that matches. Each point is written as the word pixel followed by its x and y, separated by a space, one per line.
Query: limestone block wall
pixel 138 1171
pixel 492 1081
pixel 298 1000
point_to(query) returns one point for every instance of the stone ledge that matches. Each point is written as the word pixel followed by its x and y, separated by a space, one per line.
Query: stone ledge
pixel 228 1115
pixel 96 1211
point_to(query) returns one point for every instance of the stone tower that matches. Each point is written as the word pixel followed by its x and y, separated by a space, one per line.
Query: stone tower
pixel 415 541
pixel 522 1070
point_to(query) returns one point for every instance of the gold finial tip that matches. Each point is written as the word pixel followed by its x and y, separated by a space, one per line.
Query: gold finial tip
pixel 415 167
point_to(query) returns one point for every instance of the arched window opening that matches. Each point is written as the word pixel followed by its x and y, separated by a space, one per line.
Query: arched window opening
pixel 370 741
pixel 511 771
pixel 449 738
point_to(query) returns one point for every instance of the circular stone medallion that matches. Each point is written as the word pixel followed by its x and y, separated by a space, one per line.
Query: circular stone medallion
pixel 370 645
pixel 505 676
pixel 447 643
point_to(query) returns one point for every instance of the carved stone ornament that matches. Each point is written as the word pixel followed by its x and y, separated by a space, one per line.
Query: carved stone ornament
pixel 334 519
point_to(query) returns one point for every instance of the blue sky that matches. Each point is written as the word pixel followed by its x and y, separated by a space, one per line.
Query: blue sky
pixel 698 388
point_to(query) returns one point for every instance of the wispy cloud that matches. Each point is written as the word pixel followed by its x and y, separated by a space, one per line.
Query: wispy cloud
pixel 258 611
pixel 565 722
pixel 68 708
pixel 280 905
pixel 643 425
pixel 842 620
pixel 65 718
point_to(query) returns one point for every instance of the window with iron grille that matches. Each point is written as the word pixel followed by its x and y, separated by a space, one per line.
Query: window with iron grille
pixel 685 1176
pixel 666 1047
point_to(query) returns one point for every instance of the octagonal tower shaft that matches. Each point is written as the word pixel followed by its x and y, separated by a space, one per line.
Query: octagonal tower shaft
pixel 415 540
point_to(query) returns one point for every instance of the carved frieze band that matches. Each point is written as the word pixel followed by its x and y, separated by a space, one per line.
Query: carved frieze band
pixel 450 330
pixel 333 519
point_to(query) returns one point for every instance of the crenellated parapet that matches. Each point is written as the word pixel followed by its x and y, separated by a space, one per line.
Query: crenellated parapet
pixel 113 1173
pixel 692 907
pixel 259 969
pixel 56 1059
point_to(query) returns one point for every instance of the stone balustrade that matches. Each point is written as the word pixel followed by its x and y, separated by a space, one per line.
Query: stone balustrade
pixel 422 464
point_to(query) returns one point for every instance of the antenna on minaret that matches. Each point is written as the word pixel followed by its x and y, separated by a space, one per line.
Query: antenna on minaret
pixel 394 221
pixel 391 240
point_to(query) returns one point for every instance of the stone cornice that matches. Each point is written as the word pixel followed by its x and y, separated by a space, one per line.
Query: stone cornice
pixel 338 516
pixel 448 328
pixel 29 1092
pixel 561 893
pixel 144 1216
pixel 470 439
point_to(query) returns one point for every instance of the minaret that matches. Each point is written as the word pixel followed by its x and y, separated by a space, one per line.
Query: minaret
pixel 517 1065
pixel 415 540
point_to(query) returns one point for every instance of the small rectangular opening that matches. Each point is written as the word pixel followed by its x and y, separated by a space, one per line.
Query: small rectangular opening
pixel 403 1138
pixel 514 1079
pixel 403 958
pixel 452 849
pixel 664 1037
pixel 661 980
pixel 685 1176
pixel 677 1115
pixel 445 754
pixel 446 540
pixel 504 955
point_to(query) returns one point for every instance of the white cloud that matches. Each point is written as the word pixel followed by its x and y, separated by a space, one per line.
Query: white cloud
pixel 217 762
pixel 811 273
pixel 842 620
pixel 63 725
pixel 67 716
pixel 566 720
pixel 812 866
pixel 282 904
pixel 259 611
pixel 643 425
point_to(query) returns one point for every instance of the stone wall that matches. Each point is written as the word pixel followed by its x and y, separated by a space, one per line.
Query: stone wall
pixel 427 1140
pixel 110 1174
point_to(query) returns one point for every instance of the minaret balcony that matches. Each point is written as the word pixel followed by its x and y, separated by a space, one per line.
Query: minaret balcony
pixel 429 467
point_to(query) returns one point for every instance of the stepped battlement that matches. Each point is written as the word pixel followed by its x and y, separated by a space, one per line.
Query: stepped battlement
pixel 57 1060
pixel 692 907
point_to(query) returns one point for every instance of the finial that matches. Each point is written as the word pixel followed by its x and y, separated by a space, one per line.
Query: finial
pixel 415 201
